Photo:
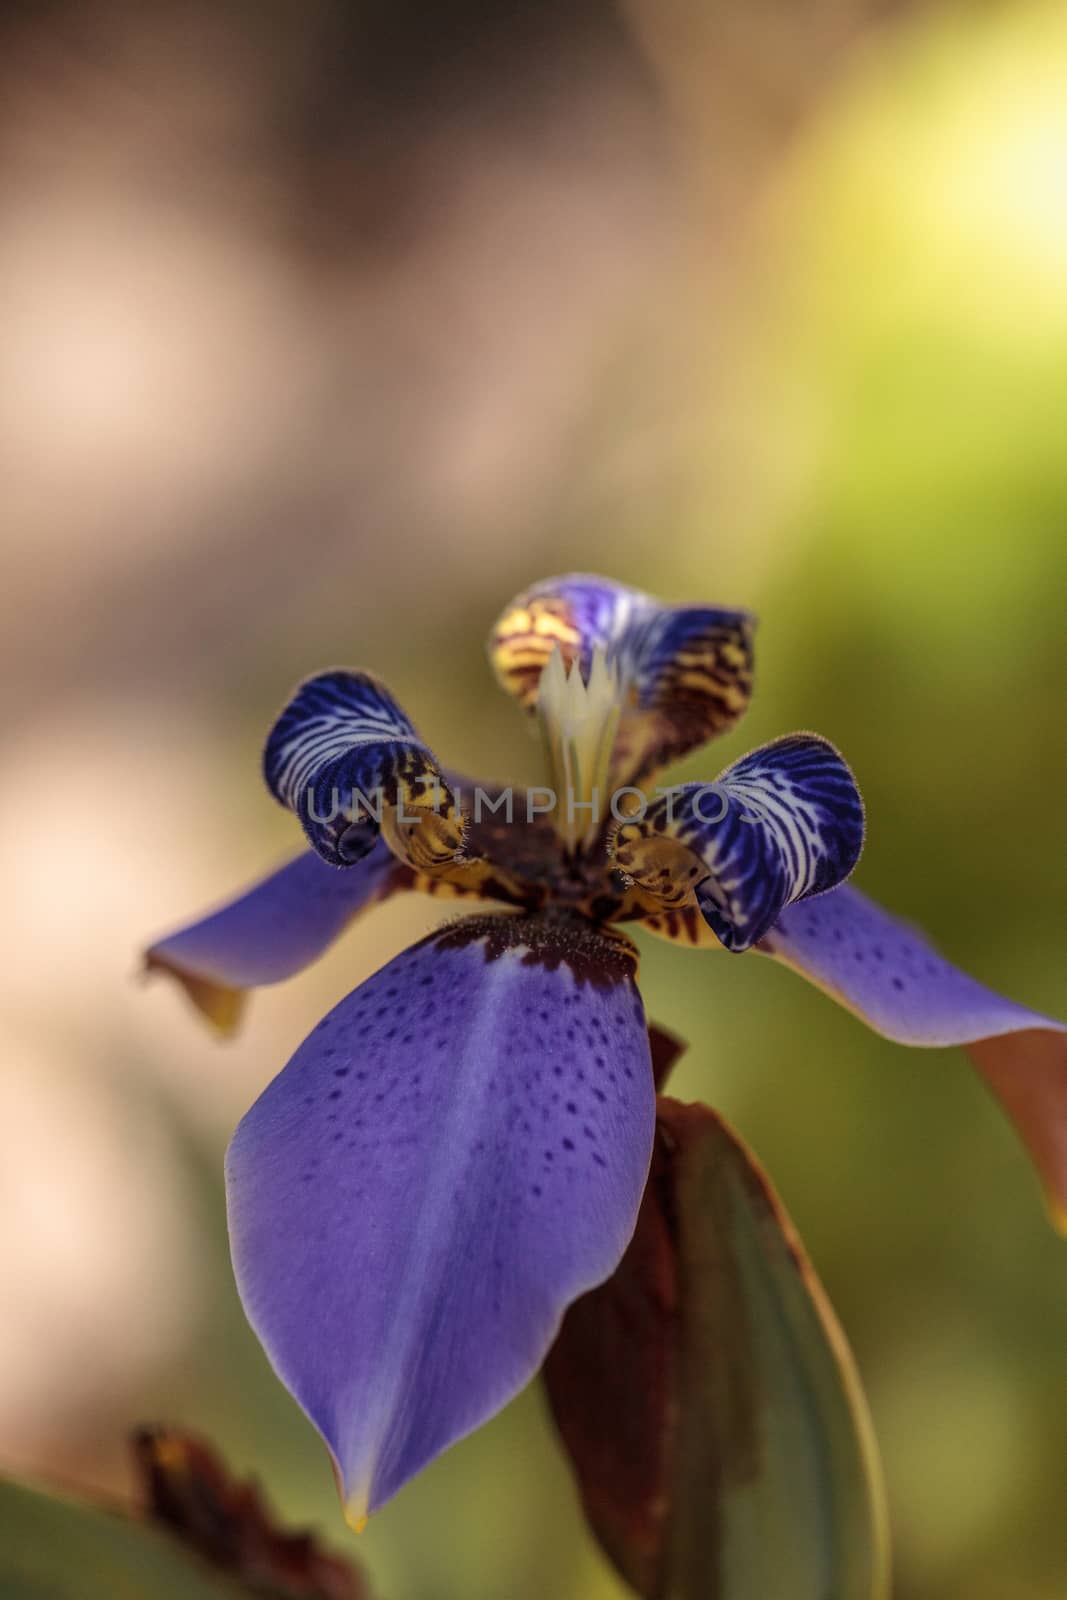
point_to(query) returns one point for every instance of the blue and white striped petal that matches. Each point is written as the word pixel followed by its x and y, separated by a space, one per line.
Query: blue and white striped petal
pixel 781 824
pixel 684 673
pixel 348 761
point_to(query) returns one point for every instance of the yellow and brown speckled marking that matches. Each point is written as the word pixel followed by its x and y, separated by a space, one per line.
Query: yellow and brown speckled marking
pixel 660 868
pixel 701 693
pixel 471 880
pixel 428 841
pixel 685 926
pixel 523 642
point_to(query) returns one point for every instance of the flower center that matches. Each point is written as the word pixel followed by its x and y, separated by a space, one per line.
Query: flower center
pixel 579 720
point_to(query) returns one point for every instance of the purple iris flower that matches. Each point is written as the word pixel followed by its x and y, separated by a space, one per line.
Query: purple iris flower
pixel 459 1149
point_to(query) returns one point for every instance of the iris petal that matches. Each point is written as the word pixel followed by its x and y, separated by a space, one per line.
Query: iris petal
pixel 272 931
pixel 347 760
pixel 453 1155
pixel 887 972
pixel 779 825
pixel 685 671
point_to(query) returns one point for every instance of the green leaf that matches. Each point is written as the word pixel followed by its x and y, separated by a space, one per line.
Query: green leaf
pixel 53 1549
pixel 709 1400
pixel 204 1535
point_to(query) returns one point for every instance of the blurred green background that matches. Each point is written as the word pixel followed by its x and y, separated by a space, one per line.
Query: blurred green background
pixel 325 331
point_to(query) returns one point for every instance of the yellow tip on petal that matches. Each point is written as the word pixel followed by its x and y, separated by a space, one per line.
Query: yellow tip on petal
pixel 1057 1214
pixel 356 1508
pixel 221 1005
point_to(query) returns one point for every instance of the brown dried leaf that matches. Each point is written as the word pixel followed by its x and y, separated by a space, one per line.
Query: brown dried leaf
pixel 187 1488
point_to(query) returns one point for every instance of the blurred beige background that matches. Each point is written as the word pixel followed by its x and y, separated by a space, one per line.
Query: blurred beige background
pixel 323 330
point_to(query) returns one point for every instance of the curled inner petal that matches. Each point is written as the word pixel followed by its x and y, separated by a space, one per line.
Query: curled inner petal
pixel 779 825
pixel 347 760
pixel 684 673
pixel 693 678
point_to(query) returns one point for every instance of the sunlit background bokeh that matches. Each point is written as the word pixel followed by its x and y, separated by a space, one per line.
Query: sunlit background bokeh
pixel 326 328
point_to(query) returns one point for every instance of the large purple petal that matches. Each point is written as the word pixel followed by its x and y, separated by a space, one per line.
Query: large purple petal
pixel 456 1152
pixel 890 975
pixel 272 931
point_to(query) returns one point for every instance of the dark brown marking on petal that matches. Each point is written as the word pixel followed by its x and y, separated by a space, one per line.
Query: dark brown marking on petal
pixel 551 939
pixel 603 907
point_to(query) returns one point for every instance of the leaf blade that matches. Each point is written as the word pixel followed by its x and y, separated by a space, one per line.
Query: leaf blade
pixel 708 1397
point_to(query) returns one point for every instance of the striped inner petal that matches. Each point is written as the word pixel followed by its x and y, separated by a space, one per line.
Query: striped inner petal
pixel 684 672
pixel 781 824
pixel 347 760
